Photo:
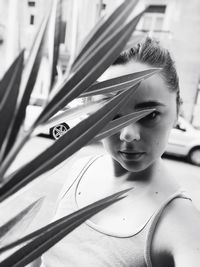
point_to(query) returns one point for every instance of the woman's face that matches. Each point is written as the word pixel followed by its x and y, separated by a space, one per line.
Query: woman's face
pixel 140 144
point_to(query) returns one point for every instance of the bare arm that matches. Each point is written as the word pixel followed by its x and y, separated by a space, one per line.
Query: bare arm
pixel 178 235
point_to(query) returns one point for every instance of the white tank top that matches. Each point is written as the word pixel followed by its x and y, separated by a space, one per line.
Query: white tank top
pixel 87 247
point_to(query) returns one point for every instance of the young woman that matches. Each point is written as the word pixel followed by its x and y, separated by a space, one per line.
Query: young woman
pixel 156 224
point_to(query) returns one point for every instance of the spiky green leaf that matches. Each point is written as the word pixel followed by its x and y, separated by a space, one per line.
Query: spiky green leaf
pixel 116 125
pixel 9 88
pixel 45 238
pixel 113 22
pixel 64 147
pixel 89 36
pixel 14 228
pixel 90 70
pixel 74 113
pixel 119 83
pixel 28 80
pixel 55 39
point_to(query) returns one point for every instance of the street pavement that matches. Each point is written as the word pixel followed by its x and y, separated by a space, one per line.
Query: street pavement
pixel 47 185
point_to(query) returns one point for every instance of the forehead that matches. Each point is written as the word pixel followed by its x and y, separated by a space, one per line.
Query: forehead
pixel 152 89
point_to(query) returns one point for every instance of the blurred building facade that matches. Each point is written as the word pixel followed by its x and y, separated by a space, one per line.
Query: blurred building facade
pixel 21 19
pixel 176 23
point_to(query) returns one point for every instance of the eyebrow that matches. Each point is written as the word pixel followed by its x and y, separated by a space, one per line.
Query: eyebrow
pixel 149 104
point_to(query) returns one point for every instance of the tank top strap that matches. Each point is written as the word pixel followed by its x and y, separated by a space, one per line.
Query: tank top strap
pixel 87 162
pixel 154 221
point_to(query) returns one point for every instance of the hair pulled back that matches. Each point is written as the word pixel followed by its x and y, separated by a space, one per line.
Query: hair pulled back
pixel 151 53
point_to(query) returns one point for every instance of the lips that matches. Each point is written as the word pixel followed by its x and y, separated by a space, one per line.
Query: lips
pixel 131 155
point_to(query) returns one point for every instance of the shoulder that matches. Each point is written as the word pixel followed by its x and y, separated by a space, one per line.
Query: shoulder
pixel 73 171
pixel 177 232
pixel 70 172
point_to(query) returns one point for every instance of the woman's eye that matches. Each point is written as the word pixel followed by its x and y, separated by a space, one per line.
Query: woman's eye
pixel 152 117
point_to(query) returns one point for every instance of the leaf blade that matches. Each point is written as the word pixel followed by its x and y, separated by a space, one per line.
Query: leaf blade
pixel 90 70
pixel 119 83
pixel 64 147
pixel 116 125
pixel 56 231
pixel 54 31
pixel 15 226
pixel 57 224
pixel 28 80
pixel 10 85
pixel 75 112
pixel 115 20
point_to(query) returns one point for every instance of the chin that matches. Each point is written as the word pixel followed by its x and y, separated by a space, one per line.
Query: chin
pixel 132 166
pixel 136 165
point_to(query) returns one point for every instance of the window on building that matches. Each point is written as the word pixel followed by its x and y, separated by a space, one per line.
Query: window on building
pixel 2 31
pixel 62 32
pixel 153 19
pixel 196 109
pixel 32 19
pixel 31 3
pixel 1 39
pixel 156 9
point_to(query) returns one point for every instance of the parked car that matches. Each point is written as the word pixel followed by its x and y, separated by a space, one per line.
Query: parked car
pixel 184 140
pixel 54 129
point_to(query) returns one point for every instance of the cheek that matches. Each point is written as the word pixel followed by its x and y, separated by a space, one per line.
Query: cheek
pixel 156 138
pixel 109 143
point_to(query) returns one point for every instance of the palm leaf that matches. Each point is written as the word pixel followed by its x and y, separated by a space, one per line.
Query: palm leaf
pixel 81 80
pixel 15 227
pixel 119 83
pixel 113 22
pixel 108 86
pixel 5 81
pixel 73 113
pixel 89 36
pixel 28 80
pixel 64 147
pixel 46 237
pixel 90 70
pixel 116 125
pixel 9 89
pixel 55 23
pixel 19 143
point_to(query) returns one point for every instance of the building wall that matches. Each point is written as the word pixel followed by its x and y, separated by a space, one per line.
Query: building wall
pixel 27 30
pixel 3 30
pixel 181 35
pixel 18 33
pixel 185 45
pixel 74 15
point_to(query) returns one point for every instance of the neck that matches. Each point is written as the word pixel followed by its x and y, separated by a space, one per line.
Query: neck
pixel 145 175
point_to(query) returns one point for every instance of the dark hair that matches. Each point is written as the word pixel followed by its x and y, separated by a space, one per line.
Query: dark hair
pixel 151 53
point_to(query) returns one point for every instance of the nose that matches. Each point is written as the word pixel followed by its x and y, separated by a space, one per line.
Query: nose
pixel 130 133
